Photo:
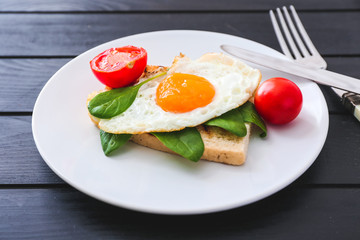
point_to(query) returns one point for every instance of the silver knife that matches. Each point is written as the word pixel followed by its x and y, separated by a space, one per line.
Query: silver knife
pixel 320 76
pixel 351 101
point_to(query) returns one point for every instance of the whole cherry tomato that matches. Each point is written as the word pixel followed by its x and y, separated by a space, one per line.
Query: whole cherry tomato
pixel 278 100
pixel 119 67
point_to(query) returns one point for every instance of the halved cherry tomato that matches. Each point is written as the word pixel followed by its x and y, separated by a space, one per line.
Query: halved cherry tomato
pixel 278 100
pixel 119 67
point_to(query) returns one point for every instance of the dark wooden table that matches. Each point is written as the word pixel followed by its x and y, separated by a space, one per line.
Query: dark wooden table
pixel 37 37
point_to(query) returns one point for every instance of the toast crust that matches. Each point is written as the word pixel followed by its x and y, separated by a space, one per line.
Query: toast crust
pixel 220 145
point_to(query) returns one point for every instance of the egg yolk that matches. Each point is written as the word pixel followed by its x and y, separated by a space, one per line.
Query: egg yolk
pixel 180 93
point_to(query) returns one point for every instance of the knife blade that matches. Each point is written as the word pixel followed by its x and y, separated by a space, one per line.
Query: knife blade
pixel 320 76
pixel 351 101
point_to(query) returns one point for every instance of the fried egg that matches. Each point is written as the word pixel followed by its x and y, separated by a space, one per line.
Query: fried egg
pixel 191 93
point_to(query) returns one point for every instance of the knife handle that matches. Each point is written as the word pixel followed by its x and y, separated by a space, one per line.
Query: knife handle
pixel 351 101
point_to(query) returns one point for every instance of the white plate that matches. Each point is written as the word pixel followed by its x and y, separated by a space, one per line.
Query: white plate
pixel 146 180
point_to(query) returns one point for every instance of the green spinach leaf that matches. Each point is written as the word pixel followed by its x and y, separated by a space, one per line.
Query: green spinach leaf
pixel 111 142
pixel 234 120
pixel 187 142
pixel 111 103
pixel 231 121
pixel 250 115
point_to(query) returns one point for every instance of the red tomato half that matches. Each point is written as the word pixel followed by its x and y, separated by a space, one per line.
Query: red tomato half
pixel 119 67
pixel 278 100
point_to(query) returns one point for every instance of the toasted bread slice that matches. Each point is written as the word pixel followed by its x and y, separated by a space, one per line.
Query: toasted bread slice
pixel 220 145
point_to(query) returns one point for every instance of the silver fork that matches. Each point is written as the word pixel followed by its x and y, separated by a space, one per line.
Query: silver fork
pixel 303 51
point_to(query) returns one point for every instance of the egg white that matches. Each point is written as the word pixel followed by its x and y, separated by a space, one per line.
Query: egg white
pixel 234 83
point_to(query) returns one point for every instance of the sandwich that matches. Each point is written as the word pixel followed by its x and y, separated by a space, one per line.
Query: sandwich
pixel 199 109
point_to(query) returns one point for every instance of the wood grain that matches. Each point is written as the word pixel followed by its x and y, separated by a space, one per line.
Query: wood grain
pixel 20 160
pixel 69 214
pixel 72 34
pixel 22 164
pixel 170 5
pixel 22 80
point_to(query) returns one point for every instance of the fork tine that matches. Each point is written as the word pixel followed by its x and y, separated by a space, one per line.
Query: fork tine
pixel 279 35
pixel 303 32
pixel 289 38
pixel 298 40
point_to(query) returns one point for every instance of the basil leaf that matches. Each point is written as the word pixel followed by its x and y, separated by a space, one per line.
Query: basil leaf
pixel 231 121
pixel 111 103
pixel 250 115
pixel 187 142
pixel 111 142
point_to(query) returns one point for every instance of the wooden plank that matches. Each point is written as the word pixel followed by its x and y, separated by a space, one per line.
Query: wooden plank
pixel 22 80
pixel 338 163
pixel 168 5
pixel 20 160
pixel 28 76
pixel 294 213
pixel 72 34
pixel 344 65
